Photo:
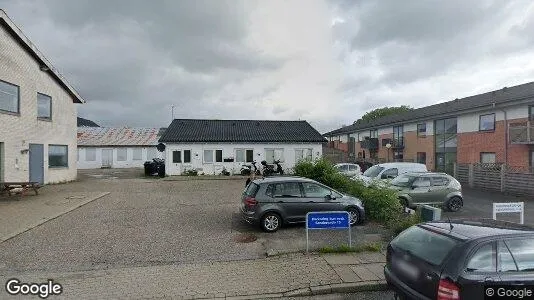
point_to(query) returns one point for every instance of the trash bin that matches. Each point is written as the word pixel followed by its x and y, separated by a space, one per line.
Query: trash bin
pixel 149 168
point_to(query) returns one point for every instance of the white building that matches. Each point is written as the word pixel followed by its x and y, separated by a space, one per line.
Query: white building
pixel 37 113
pixel 104 147
pixel 210 145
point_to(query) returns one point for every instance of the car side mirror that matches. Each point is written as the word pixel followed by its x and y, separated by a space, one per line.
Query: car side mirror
pixel 328 197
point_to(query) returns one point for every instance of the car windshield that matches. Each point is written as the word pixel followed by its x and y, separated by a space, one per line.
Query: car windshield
pixel 424 244
pixel 403 180
pixel 251 189
pixel 373 171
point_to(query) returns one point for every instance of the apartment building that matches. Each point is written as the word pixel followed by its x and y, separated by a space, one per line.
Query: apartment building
pixel 493 127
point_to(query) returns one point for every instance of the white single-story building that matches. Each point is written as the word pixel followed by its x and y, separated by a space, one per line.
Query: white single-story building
pixel 38 110
pixel 208 146
pixel 105 147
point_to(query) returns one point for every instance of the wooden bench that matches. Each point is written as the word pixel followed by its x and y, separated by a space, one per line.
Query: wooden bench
pixel 8 187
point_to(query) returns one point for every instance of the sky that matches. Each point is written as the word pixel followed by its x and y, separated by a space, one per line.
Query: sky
pixel 324 61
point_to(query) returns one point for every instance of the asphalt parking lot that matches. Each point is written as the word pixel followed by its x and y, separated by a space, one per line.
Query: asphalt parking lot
pixel 145 221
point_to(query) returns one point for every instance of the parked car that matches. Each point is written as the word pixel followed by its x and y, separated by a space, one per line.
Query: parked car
pixel 364 165
pixel 429 188
pixel 274 201
pixel 459 259
pixel 349 170
pixel 388 171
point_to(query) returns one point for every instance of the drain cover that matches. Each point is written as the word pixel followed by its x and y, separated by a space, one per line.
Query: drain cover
pixel 245 238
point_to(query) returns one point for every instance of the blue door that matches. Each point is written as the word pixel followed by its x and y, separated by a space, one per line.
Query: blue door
pixel 37 163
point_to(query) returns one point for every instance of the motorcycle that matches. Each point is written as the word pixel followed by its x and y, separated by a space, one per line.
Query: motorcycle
pixel 269 170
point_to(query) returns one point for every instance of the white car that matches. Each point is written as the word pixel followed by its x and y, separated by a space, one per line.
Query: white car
pixel 349 170
pixel 383 173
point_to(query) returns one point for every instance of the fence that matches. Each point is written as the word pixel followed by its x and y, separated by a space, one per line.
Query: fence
pixel 497 177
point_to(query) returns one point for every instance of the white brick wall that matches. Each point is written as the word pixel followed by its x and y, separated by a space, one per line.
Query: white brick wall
pixel 18 131
pixel 83 163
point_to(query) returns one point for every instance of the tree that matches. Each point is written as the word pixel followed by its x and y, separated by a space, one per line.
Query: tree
pixel 382 112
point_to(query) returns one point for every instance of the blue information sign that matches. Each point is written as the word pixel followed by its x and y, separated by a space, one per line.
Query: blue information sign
pixel 328 220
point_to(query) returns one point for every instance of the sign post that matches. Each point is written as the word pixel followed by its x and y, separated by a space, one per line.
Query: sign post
pixel 510 207
pixel 327 220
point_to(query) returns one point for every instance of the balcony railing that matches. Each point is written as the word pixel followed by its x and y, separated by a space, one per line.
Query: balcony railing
pixel 521 133
pixel 397 143
pixel 370 143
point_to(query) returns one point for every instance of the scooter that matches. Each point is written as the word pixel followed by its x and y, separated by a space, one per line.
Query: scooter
pixel 247 169
pixel 269 170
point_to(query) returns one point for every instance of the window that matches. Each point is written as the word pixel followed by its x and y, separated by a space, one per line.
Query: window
pixel 487 158
pixel 374 133
pixel 58 156
pixel 312 190
pixel 244 155
pixel 342 168
pixel 303 154
pixel 151 153
pixel 122 154
pixel 390 173
pixel 487 122
pixel 187 156
pixel 274 154
pixel 286 189
pixel 523 252
pixel 422 182
pixel 44 106
pixel 137 154
pixel 531 113
pixel 421 157
pixel 90 154
pixel 483 260
pixel 440 181
pixel 9 97
pixel 78 154
pixel 421 129
pixel 532 158
pixel 424 244
pixel 354 168
pixel 208 156
pixel 505 261
pixel 176 157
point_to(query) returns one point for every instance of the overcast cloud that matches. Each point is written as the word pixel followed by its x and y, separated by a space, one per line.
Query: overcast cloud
pixel 325 61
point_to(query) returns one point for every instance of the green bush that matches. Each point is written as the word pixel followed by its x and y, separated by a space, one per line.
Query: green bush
pixel 404 221
pixel 191 172
pixel 381 203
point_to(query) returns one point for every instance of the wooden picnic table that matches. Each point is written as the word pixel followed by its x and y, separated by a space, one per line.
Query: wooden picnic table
pixel 8 187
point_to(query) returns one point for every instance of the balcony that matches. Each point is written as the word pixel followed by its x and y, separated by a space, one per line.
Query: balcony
pixel 369 143
pixel 521 133
pixel 396 143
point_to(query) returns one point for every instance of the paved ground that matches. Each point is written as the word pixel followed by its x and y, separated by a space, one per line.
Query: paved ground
pixel 379 295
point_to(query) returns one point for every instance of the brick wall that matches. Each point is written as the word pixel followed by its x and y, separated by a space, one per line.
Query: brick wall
pixel 414 144
pixel 471 144
pixel 382 150
pixel 19 130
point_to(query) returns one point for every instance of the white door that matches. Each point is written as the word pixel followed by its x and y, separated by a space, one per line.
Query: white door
pixel 107 158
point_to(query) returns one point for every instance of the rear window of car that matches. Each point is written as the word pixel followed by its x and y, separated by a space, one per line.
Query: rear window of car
pixel 252 189
pixel 425 244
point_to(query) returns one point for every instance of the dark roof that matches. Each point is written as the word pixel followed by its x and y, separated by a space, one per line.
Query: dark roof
pixel 506 94
pixel 86 123
pixel 479 228
pixel 45 65
pixel 240 131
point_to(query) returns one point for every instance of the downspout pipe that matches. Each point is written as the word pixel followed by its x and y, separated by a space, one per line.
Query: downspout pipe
pixel 505 136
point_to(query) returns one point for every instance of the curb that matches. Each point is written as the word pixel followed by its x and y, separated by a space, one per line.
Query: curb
pixel 43 221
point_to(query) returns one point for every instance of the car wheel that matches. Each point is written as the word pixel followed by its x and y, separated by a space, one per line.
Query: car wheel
pixel 455 204
pixel 271 222
pixel 354 215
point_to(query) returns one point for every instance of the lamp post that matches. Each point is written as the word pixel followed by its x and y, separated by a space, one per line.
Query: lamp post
pixel 388 146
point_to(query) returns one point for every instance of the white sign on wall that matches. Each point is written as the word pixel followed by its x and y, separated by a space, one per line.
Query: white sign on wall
pixel 510 207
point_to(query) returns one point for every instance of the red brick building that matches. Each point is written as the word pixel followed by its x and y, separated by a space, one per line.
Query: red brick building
pixel 494 127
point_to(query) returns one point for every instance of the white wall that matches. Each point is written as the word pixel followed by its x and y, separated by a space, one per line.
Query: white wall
pixel 129 163
pixel 410 127
pixel 19 130
pixel 385 130
pixel 470 122
pixel 197 160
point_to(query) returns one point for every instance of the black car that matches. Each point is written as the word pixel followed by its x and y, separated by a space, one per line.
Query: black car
pixel 459 259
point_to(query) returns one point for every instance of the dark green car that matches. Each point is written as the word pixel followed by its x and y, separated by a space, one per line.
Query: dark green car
pixel 429 188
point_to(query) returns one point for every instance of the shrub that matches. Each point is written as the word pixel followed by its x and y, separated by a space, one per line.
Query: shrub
pixel 381 203
pixel 404 221
pixel 191 172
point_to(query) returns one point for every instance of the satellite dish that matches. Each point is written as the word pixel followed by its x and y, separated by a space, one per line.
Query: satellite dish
pixel 161 147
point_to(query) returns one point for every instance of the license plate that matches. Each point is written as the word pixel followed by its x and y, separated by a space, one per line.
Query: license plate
pixel 408 269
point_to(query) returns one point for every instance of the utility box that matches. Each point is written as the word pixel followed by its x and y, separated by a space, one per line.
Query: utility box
pixel 430 213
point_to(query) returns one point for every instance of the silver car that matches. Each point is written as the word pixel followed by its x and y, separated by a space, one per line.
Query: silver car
pixel 349 170
pixel 274 201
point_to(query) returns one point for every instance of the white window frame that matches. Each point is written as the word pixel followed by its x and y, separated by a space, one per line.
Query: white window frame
pixel 125 156
pixel 50 154
pixel 190 156
pixel 15 96
pixel 44 97
pixel 138 151
pixel 491 155
pixel 306 153
pixel 280 155
pixel 88 152
pixel 213 156
pixel 244 150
